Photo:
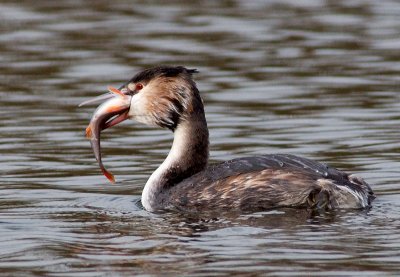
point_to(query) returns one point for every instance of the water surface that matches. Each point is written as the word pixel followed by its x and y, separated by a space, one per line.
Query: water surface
pixel 313 78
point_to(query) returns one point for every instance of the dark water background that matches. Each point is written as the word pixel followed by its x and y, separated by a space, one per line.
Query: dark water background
pixel 314 78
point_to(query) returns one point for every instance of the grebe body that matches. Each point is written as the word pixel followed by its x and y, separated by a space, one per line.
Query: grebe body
pixel 167 97
pixel 264 182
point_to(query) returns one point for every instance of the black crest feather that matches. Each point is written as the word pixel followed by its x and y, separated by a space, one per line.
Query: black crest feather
pixel 161 71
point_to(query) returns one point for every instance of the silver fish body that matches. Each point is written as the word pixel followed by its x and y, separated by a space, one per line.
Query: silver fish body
pixel 108 114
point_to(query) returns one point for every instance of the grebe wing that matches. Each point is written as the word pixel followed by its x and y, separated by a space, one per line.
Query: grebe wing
pixel 285 162
pixel 267 181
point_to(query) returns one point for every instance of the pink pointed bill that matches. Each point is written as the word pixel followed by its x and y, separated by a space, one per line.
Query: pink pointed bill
pixel 112 92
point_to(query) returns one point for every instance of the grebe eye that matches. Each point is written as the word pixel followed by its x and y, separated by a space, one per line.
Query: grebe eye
pixel 139 86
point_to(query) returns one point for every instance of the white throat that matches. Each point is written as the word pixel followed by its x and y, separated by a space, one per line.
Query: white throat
pixel 156 181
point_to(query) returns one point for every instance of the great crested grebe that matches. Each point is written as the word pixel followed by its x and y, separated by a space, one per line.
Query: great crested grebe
pixel 168 97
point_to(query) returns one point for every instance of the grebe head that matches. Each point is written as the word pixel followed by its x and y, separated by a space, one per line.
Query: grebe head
pixel 159 96
pixel 163 96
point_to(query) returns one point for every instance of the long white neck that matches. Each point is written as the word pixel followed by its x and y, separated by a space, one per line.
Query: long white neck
pixel 188 155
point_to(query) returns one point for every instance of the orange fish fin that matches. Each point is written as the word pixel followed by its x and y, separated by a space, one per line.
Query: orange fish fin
pixel 116 91
pixel 108 175
pixel 89 132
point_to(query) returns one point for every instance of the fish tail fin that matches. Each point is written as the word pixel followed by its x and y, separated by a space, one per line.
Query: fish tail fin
pixel 109 175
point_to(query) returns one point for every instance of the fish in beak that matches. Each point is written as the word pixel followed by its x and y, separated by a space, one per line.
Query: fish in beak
pixel 108 114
